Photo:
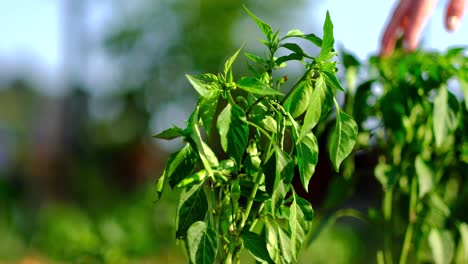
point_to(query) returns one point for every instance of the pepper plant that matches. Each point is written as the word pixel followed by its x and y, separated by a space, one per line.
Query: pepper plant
pixel 420 132
pixel 245 141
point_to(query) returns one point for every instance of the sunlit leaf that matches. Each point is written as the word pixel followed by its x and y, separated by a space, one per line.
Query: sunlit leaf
pixel 294 33
pixel 300 222
pixel 314 39
pixel 229 62
pixel 320 104
pixel 207 113
pixel 180 165
pixel 255 86
pixel 442 246
pixel 328 39
pixel 298 101
pixel 332 81
pixel 445 114
pixel 202 243
pixel 192 208
pixel 271 238
pixel 425 176
pixel 307 158
pixel 233 131
pixel 343 138
pixel 264 27
pixel 463 228
pixel 200 86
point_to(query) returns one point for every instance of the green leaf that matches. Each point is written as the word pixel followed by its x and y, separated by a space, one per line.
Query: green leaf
pixel 332 81
pixel 160 184
pixel 171 133
pixel 264 27
pixel 320 104
pixel 442 246
pixel 271 238
pixel 207 113
pixel 343 139
pixel 290 57
pixel 445 114
pixel 464 88
pixel 463 228
pixel 300 222
pixel 256 245
pixel 192 208
pixel 307 158
pixel 328 39
pixel 200 86
pixel 317 41
pixel 202 243
pixel 425 176
pixel 283 178
pixel 385 174
pixel 294 48
pixel 233 131
pixel 229 62
pixel 180 164
pixel 298 100
pixel 254 58
pixel 193 179
pixel 285 244
pixel 437 203
pixel 294 33
pixel 255 86
pixel 205 153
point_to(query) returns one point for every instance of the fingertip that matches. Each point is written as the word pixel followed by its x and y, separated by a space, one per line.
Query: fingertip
pixel 451 23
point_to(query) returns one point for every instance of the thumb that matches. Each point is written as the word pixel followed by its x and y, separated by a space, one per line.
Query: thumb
pixel 454 14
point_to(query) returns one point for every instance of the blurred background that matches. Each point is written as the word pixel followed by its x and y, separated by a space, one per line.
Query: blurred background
pixel 83 86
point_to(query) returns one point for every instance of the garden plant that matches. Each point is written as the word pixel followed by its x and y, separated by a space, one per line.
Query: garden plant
pixel 245 141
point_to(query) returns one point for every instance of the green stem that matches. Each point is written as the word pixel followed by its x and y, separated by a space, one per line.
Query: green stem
pixel 388 202
pixel 411 219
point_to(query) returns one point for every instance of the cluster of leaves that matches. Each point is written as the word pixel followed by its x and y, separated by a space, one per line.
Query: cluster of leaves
pixel 421 136
pixel 246 139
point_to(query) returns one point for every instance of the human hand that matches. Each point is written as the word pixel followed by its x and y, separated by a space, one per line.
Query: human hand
pixel 409 19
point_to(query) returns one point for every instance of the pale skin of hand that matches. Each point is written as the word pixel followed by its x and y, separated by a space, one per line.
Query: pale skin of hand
pixel 409 19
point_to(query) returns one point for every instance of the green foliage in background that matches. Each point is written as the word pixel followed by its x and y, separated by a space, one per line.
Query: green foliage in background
pixel 242 196
pixel 413 113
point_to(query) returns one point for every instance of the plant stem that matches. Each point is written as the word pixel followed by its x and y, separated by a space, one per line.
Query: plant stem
pixel 411 219
pixel 251 200
pixel 388 202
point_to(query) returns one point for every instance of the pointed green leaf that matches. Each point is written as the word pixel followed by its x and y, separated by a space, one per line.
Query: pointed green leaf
pixel 205 153
pixel 254 58
pixel 294 48
pixel 298 101
pixel 442 246
pixel 255 86
pixel 264 27
pixel 171 133
pixel 230 61
pixel 445 114
pixel 343 139
pixel 256 245
pixel 200 86
pixel 317 41
pixel 160 184
pixel 285 244
pixel 233 131
pixel 290 57
pixel 208 108
pixel 320 104
pixel 192 179
pixel 283 178
pixel 328 39
pixel 332 81
pixel 271 238
pixel 425 176
pixel 300 222
pixel 202 243
pixel 294 33
pixel 307 158
pixel 180 165
pixel 192 208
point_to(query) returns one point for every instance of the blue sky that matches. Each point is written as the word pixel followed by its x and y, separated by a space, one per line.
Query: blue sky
pixel 31 28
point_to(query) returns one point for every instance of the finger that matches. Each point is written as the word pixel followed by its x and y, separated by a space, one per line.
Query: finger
pixel 418 17
pixel 391 32
pixel 454 13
